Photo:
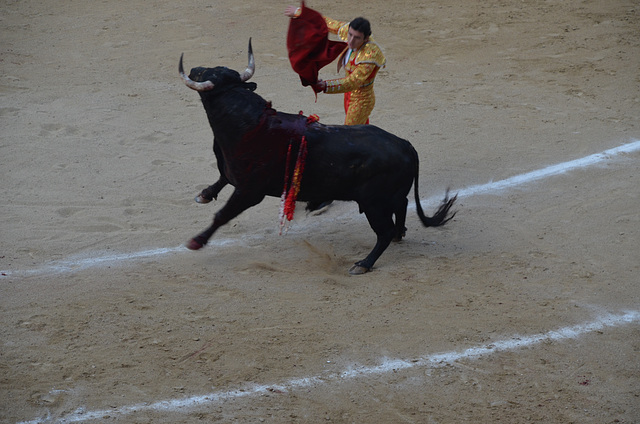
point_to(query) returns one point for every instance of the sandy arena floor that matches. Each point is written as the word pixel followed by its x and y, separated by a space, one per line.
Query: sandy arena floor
pixel 105 315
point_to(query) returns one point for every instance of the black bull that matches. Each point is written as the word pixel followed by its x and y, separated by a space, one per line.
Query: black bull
pixel 362 163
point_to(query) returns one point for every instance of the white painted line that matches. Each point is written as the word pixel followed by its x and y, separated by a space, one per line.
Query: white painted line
pixel 71 265
pixel 549 171
pixel 78 264
pixel 83 262
pixel 387 366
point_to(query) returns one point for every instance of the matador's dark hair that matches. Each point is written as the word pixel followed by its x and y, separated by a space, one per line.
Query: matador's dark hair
pixel 361 25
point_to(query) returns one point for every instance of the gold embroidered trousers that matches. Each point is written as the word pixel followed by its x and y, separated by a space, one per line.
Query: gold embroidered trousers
pixel 358 105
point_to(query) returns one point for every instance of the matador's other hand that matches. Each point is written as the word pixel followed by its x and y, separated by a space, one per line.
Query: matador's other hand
pixel 291 11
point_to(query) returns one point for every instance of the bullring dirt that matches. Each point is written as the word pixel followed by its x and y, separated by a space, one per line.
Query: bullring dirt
pixel 105 313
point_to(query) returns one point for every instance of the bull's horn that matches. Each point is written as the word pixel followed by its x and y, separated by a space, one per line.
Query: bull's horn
pixel 198 86
pixel 251 68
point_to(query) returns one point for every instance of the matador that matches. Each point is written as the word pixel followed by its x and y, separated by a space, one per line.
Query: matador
pixel 362 58
pixel 361 67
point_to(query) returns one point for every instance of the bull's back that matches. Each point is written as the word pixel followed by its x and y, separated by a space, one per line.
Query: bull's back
pixel 343 158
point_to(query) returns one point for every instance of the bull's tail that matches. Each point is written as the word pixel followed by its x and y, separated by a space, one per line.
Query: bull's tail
pixel 441 216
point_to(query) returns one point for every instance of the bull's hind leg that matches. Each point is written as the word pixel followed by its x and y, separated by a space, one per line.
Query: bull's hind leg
pixel 401 218
pixel 382 223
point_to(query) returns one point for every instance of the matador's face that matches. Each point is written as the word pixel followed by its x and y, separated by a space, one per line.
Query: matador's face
pixel 355 39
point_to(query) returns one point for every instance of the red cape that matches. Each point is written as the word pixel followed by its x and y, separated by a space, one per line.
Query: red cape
pixel 309 46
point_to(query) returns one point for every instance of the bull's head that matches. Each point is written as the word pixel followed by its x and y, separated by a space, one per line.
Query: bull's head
pixel 208 85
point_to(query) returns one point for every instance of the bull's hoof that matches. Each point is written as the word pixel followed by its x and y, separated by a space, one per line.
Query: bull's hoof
pixel 358 270
pixel 201 199
pixel 399 236
pixel 315 208
pixel 194 244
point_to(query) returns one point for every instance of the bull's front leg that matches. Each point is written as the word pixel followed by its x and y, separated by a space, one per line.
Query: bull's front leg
pixel 211 192
pixel 237 203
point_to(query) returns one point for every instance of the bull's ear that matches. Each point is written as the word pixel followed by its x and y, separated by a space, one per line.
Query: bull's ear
pixel 251 67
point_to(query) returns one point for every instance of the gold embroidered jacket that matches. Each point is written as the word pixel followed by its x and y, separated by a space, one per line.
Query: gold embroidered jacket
pixel 361 70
